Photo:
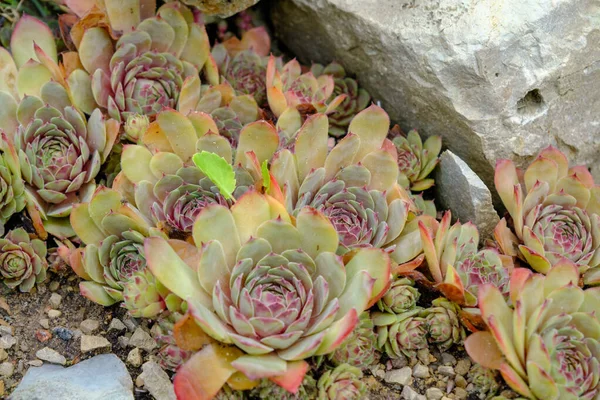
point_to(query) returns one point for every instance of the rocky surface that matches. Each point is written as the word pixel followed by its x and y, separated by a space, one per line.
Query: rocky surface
pixel 460 190
pixel 495 79
pixel 99 378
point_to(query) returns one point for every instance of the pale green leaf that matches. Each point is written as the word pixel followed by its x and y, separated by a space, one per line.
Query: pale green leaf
pixel 218 170
pixel 266 176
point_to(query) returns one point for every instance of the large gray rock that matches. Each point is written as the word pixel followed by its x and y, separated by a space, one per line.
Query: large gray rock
pixel 99 378
pixel 497 79
pixel 461 191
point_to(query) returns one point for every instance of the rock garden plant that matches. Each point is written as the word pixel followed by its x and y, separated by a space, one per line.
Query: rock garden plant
pixel 269 222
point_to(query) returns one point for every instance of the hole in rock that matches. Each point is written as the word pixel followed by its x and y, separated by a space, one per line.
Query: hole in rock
pixel 532 104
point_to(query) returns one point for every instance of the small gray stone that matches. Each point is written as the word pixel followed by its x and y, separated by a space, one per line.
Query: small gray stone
pixel 55 300
pixel 446 370
pixel 51 355
pixel 460 394
pixel 134 358
pixel 460 382
pixel 123 341
pixel 6 330
pixel 464 193
pixel 142 339
pixel 45 323
pixel 3 355
pixel 409 393
pixel 7 369
pixel 131 324
pixel 116 325
pixel 91 343
pixel 463 366
pixel 99 378
pixel 54 314
pixel 6 342
pixel 89 326
pixel 35 363
pixel 77 333
pixel 380 373
pixel 402 376
pixel 420 371
pixel 434 394
pixel 448 359
pixel 156 381
pixel 399 362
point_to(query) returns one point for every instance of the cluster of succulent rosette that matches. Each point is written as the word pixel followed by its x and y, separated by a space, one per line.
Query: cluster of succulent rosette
pixel 269 220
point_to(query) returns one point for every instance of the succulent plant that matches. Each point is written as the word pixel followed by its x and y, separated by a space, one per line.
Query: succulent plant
pixel 12 188
pixel 60 152
pixel 484 381
pixel 354 184
pixel 135 127
pixel 243 63
pixel 400 334
pixel 22 260
pixel 356 100
pixel 287 296
pixel 154 64
pixel 416 160
pixel 342 383
pixel 546 346
pixel 170 355
pixel 270 390
pixel 288 87
pixel 555 212
pixel 167 188
pixel 402 296
pixel 359 349
pixel 443 325
pixel 456 265
pixel 143 296
pixel 114 233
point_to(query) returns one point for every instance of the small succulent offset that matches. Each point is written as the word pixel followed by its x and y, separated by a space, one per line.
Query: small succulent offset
pixel 402 296
pixel 416 159
pixel 547 345
pixel 22 260
pixel 555 213
pixel 356 100
pixel 484 381
pixel 274 289
pixel 443 324
pixel 360 348
pixel 342 383
pixel 401 334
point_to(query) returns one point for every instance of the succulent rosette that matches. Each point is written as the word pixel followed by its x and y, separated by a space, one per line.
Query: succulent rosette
pixel 484 381
pixel 22 260
pixel 243 63
pixel 342 383
pixel 288 87
pixel 356 99
pixel 555 213
pixel 143 296
pixel 456 265
pixel 359 349
pixel 400 335
pixel 167 188
pixel 547 345
pixel 354 184
pixel 274 289
pixel 154 64
pixel 113 232
pixel 12 188
pixel 416 160
pixel 443 325
pixel 402 296
pixel 60 151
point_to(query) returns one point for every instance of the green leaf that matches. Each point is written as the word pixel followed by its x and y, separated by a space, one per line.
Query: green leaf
pixel 266 176
pixel 219 171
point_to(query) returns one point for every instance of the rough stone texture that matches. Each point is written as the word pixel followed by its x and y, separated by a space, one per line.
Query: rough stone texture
pixel 402 376
pixel 156 381
pixel 143 340
pixel 222 8
pixel 51 355
pixel 99 378
pixel 495 79
pixel 91 343
pixel 460 190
